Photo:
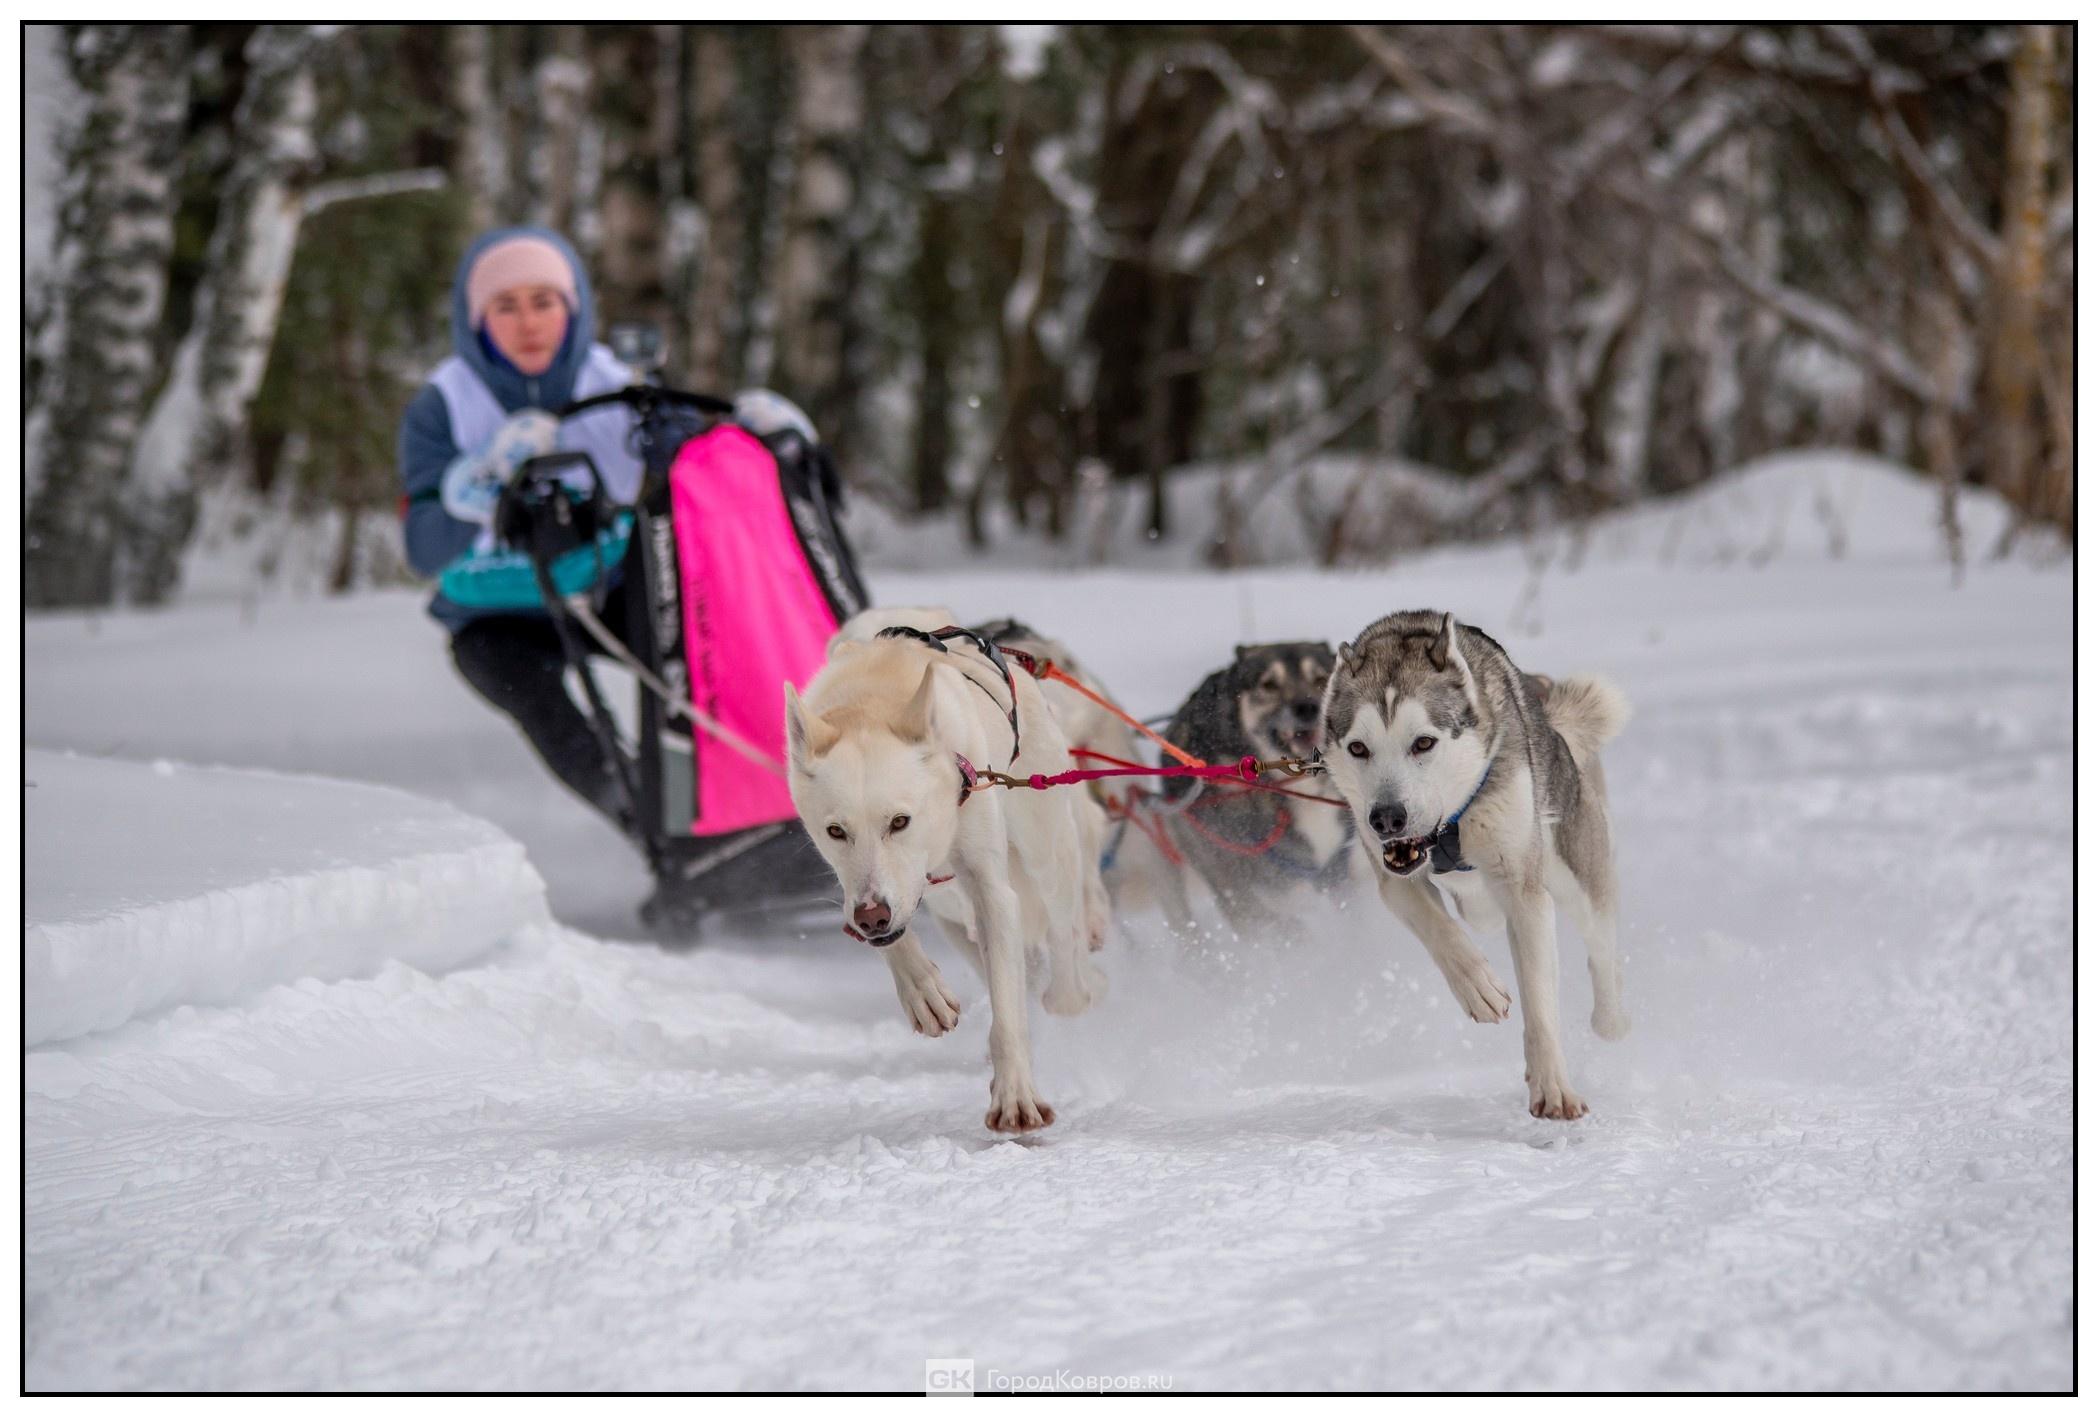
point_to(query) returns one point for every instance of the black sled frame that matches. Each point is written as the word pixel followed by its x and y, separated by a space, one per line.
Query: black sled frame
pixel 758 869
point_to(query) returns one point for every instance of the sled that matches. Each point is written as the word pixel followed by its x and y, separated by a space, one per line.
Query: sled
pixel 736 571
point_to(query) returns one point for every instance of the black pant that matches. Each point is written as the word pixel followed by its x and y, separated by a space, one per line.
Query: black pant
pixel 515 662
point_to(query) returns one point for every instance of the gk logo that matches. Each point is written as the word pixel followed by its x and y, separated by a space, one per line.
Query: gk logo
pixel 950 1377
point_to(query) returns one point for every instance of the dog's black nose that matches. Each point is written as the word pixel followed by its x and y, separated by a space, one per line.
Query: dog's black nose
pixel 1308 711
pixel 872 920
pixel 1387 819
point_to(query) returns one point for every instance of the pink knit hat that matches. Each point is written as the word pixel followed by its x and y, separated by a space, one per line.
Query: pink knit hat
pixel 519 261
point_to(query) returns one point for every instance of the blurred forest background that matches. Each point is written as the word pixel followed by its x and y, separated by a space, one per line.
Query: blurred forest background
pixel 1534 271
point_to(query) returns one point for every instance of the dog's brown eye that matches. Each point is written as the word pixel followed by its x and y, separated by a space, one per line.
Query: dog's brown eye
pixel 898 822
pixel 837 833
pixel 1357 749
pixel 1422 744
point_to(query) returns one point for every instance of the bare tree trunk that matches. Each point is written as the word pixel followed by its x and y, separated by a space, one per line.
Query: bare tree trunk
pixel 632 125
pixel 1552 294
pixel 2014 356
pixel 1158 443
pixel 199 421
pixel 718 181
pixel 815 265
pixel 478 164
pixel 561 84
pixel 1718 326
pixel 2057 501
pixel 116 233
pixel 1144 408
pixel 1632 410
pixel 1941 446
pixel 677 221
pixel 1032 449
pixel 932 284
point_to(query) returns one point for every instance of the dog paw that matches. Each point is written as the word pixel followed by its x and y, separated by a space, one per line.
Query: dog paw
pixel 1074 989
pixel 1066 1000
pixel 927 1004
pixel 1552 1098
pixel 1478 993
pixel 1015 1109
pixel 1612 1024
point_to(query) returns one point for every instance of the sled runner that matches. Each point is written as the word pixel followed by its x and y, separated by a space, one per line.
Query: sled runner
pixel 736 572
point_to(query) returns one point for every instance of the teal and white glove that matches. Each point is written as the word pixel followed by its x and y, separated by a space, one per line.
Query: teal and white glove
pixel 474 482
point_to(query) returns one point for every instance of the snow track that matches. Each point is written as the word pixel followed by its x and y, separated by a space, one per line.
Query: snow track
pixel 1834 1152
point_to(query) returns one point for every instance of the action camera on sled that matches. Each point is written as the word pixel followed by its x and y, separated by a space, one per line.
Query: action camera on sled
pixel 638 344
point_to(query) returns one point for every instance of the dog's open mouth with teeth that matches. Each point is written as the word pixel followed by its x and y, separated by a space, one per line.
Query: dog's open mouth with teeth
pixel 1405 855
pixel 879 942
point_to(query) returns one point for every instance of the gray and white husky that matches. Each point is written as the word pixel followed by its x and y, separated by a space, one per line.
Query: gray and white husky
pixel 1252 848
pixel 1459 773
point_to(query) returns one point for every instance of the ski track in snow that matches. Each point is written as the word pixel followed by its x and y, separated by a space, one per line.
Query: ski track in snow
pixel 1834 1152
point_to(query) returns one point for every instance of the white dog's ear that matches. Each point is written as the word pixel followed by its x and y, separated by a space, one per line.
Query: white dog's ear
pixel 1446 652
pixel 808 736
pixel 914 723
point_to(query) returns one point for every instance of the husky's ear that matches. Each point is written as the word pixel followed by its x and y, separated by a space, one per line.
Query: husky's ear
pixel 808 736
pixel 1344 655
pixel 1446 653
pixel 914 723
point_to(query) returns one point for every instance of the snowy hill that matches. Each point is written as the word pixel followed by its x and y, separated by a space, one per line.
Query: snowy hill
pixel 1835 1151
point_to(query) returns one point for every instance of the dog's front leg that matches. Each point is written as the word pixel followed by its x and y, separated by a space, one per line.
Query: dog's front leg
pixel 926 1002
pixel 1470 977
pixel 1014 1105
pixel 1533 938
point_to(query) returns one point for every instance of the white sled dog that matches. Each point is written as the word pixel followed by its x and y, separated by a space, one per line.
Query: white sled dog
pixel 879 755
pixel 1458 773
pixel 1138 875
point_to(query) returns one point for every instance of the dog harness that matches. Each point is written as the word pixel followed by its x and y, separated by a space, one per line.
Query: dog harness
pixel 938 640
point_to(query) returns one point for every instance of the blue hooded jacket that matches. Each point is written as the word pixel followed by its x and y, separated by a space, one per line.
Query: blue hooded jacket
pixel 434 537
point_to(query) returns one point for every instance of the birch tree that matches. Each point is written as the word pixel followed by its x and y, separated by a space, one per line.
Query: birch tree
pixel 198 420
pixel 479 163
pixel 816 257
pixel 116 232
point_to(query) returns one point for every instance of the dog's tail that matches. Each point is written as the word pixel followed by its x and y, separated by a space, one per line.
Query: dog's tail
pixel 1588 711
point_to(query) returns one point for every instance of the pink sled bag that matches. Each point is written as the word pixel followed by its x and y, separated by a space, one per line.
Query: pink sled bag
pixel 754 618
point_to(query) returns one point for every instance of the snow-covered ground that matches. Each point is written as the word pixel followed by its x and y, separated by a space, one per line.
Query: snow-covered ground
pixel 1835 1151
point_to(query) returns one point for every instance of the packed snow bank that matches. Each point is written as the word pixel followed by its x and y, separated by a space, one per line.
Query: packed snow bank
pixel 146 886
pixel 1818 503
pixel 1821 501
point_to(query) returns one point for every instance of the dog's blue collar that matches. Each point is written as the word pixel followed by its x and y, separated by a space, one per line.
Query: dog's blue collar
pixel 1446 847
